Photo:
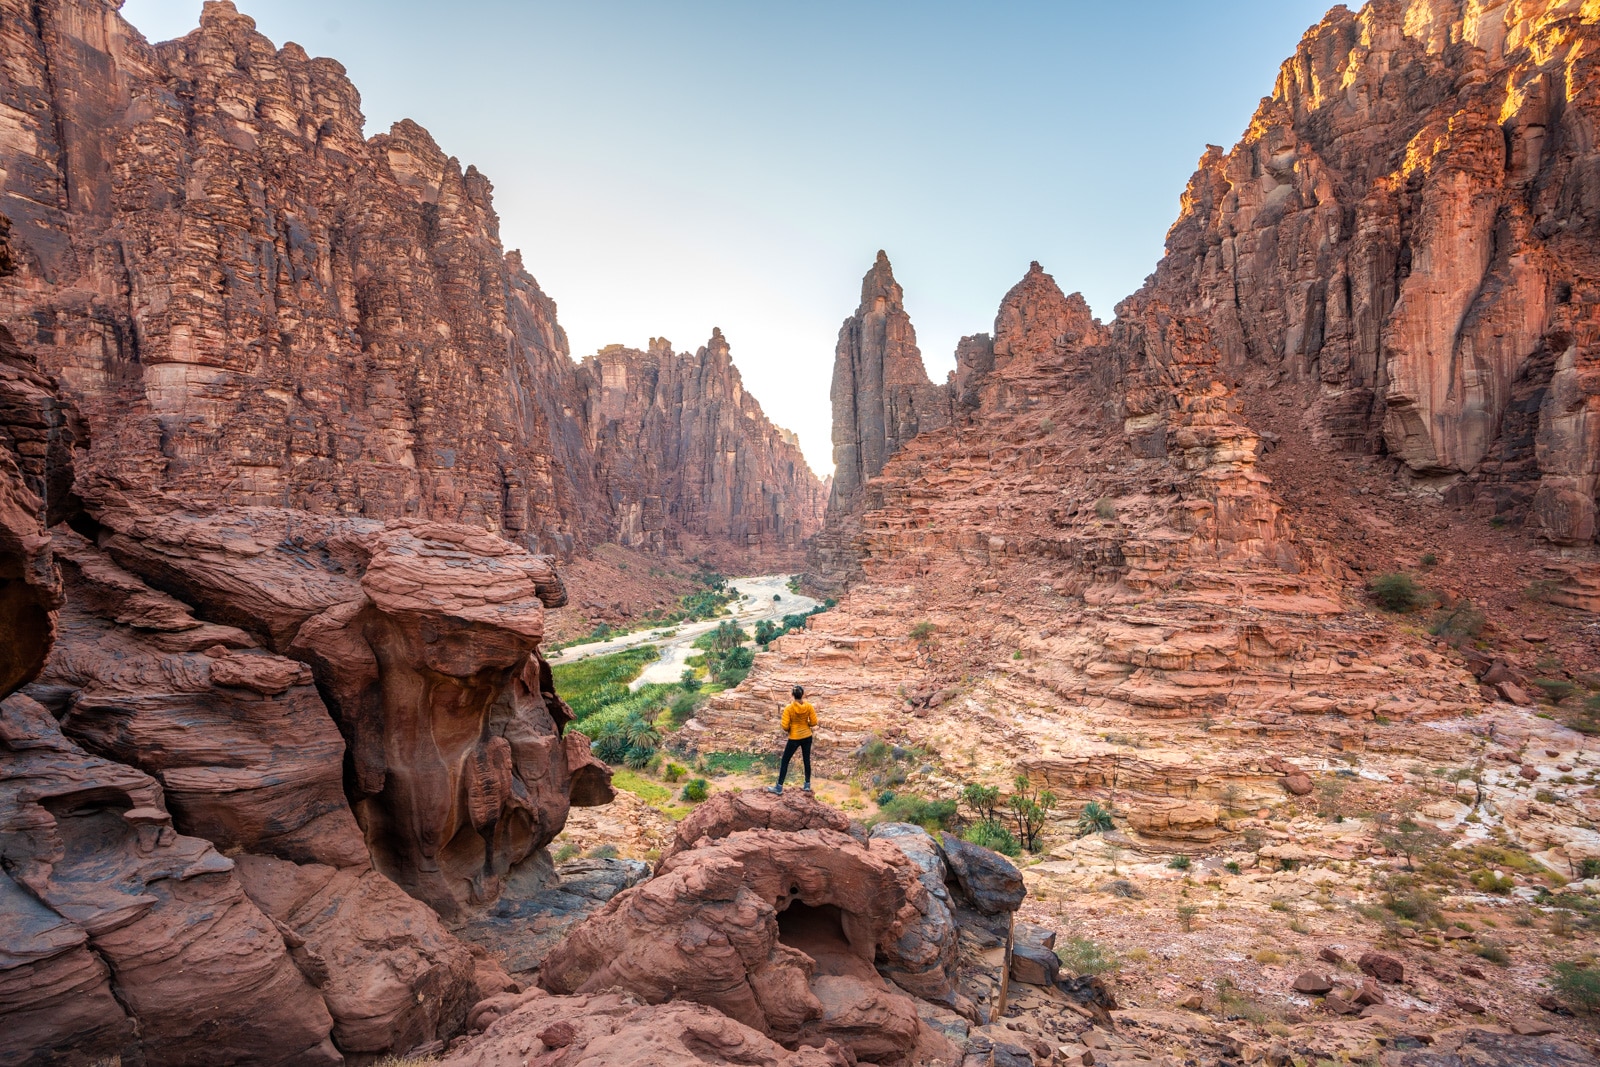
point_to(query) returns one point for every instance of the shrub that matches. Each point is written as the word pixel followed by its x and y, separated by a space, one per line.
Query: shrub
pixel 1082 956
pixel 1589 867
pixel 603 852
pixel 1232 867
pixel 1030 811
pixel 1094 819
pixel 1489 881
pixel 1459 624
pixel 993 835
pixel 674 772
pixel 565 852
pixel 1106 508
pixel 931 815
pixel 696 790
pixel 1577 985
pixel 1186 914
pixel 1179 862
pixel 1047 424
pixel 1398 592
pixel 1429 559
pixel 1555 689
pixel 922 631
pixel 682 709
pixel 1494 952
pixel 690 679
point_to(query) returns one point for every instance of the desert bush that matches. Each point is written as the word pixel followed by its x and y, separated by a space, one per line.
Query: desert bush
pixel 1459 624
pixel 696 790
pixel 1186 914
pixel 983 799
pixel 674 772
pixel 565 852
pixel 603 852
pixel 1081 956
pixel 1030 810
pixel 922 631
pixel 1494 952
pixel 1398 592
pixel 1555 689
pixel 1179 862
pixel 1577 985
pixel 1106 508
pixel 931 815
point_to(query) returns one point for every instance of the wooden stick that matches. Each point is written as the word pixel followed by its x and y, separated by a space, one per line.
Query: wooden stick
pixel 1005 969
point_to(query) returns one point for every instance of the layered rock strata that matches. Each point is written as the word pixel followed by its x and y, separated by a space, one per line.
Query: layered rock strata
pixel 255 305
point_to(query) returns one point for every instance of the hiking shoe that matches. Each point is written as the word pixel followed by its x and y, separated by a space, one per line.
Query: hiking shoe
pixel 775 789
pixel 807 787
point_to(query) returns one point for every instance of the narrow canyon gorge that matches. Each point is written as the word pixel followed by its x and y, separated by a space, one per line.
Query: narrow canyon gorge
pixel 1215 685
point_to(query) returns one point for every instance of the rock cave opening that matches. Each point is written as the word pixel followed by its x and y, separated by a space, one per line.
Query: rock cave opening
pixel 818 931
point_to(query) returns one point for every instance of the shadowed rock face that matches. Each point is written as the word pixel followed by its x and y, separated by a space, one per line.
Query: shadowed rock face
pixel 1405 238
pixel 287 314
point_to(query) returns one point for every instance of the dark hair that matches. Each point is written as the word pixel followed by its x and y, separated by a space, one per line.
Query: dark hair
pixel 797 692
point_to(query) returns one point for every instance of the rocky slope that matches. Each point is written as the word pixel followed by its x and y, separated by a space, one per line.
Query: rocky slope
pixel 253 304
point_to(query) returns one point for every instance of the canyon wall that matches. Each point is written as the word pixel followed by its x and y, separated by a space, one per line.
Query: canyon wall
pixel 686 458
pixel 253 304
pixel 1404 237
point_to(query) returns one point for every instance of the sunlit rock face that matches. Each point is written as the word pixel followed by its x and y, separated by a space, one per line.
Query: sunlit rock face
pixel 1404 237
pixel 255 305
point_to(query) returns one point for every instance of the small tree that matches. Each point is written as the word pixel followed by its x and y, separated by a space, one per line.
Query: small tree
pixel 1398 592
pixel 1030 811
pixel 983 799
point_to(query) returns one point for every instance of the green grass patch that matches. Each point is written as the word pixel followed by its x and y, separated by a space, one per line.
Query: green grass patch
pixel 591 684
pixel 720 763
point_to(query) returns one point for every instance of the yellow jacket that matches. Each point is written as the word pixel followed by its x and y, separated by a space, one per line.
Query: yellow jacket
pixel 799 718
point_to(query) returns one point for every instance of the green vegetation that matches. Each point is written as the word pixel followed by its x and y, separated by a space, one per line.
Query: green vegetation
pixel 922 631
pixel 1494 952
pixel 590 684
pixel 768 631
pixel 1106 508
pixel 652 793
pixel 566 852
pixel 1186 914
pixel 1179 862
pixel 1398 592
pixel 1458 625
pixel 794 584
pixel 1429 559
pixel 1578 985
pixel 983 799
pixel 931 815
pixel 725 658
pixel 708 602
pixel 993 835
pixel 1094 819
pixel 717 764
pixel 1555 689
pixel 695 790
pixel 1082 956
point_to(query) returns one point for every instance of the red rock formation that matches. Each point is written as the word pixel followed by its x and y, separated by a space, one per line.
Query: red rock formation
pixel 779 930
pixel 689 460
pixel 423 639
pixel 1404 238
pixel 617 1030
pixel 254 305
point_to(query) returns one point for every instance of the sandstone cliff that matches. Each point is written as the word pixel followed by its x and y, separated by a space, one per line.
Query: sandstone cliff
pixel 1404 237
pixel 688 459
pixel 253 304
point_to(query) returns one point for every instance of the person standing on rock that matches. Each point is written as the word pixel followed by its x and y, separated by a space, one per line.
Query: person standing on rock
pixel 798 720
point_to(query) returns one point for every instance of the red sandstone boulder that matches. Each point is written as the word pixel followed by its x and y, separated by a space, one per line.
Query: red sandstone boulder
pixel 777 930
pixel 1382 967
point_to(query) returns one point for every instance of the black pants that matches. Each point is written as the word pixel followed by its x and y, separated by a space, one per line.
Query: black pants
pixel 804 745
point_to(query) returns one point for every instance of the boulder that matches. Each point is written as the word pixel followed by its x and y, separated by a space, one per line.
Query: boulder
pixel 754 809
pixel 1383 967
pixel 1313 983
pixel 987 879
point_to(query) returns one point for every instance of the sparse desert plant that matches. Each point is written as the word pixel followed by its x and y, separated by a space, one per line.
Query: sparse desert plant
pixel 566 852
pixel 931 815
pixel 1555 689
pixel 1429 559
pixel 1030 810
pixel 1488 881
pixel 1082 956
pixel 1095 818
pixel 603 852
pixel 1106 508
pixel 1494 952
pixel 1186 914
pixel 922 631
pixel 674 772
pixel 1268 957
pixel 1047 424
pixel 1121 887
pixel 1232 867
pixel 1398 592
pixel 1180 862
pixel 696 790
pixel 1577 984
pixel 1459 624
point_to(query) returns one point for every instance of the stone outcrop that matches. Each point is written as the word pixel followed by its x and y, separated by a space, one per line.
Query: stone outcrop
pixel 254 305
pixel 619 1030
pixel 1404 239
pixel 688 459
pixel 422 637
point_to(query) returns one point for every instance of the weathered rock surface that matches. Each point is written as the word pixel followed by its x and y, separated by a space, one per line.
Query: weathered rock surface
pixel 255 305
pixel 753 809
pixel 617 1030
pixel 779 930
pixel 99 890
pixel 423 639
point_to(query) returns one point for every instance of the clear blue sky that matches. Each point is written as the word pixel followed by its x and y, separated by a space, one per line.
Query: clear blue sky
pixel 671 167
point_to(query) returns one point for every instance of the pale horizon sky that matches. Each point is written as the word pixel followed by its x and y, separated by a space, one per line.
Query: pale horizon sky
pixel 666 169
